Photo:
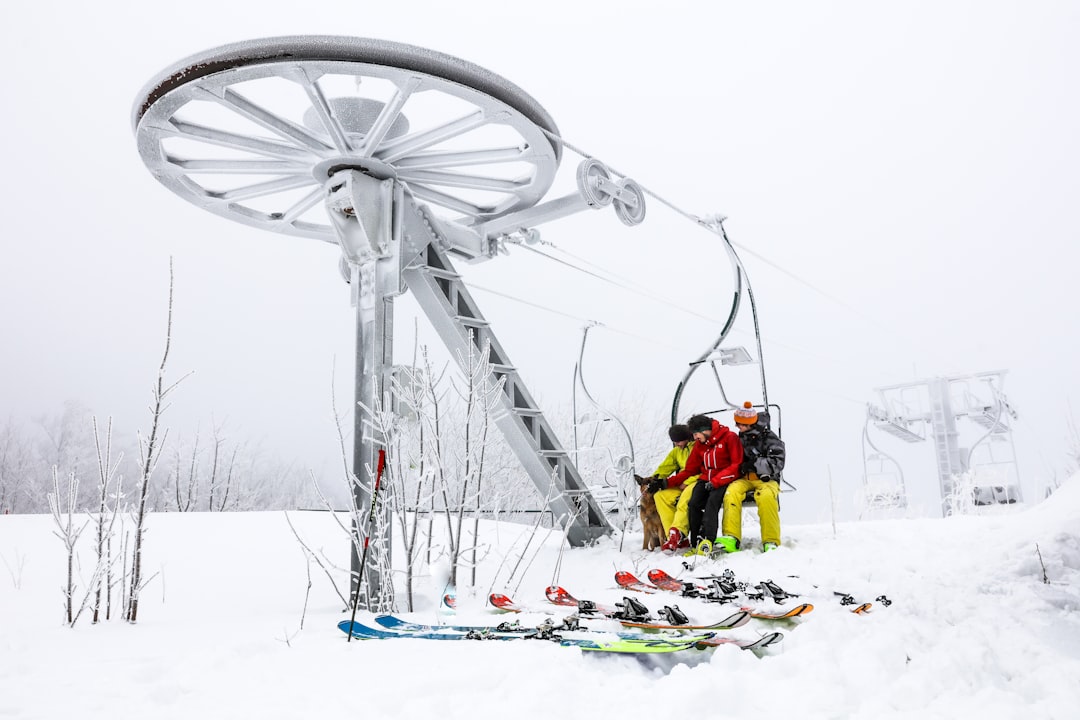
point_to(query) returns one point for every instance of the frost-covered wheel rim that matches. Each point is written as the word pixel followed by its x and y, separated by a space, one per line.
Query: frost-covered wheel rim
pixel 252 131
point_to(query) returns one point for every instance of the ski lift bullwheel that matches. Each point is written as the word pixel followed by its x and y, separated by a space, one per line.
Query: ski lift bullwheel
pixel 252 131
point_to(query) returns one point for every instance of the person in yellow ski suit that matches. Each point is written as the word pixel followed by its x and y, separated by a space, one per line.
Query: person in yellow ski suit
pixel 764 455
pixel 672 502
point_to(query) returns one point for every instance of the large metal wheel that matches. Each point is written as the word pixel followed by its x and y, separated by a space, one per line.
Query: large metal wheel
pixel 252 131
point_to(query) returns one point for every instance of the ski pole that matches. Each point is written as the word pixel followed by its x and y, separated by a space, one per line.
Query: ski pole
pixel 367 539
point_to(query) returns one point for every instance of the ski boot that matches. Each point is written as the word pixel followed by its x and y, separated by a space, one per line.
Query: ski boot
pixel 766 547
pixel 725 544
pixel 674 542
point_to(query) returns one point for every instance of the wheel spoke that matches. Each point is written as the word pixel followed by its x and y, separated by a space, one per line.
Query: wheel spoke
pixel 418 141
pixel 459 180
pixel 322 108
pixel 235 141
pixel 260 115
pixel 237 167
pixel 387 116
pixel 263 189
pixel 447 201
pixel 434 160
pixel 309 201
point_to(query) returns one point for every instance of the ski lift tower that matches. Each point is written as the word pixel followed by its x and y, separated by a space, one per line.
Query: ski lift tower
pixel 403 158
pixel 935 409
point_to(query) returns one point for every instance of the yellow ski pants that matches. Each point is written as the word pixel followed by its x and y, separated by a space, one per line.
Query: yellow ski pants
pixel 767 497
pixel 671 505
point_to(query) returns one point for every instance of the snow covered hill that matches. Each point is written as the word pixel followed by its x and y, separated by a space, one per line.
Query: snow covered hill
pixel 973 631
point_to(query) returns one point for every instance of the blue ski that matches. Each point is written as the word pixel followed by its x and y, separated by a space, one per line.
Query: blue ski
pixel 603 642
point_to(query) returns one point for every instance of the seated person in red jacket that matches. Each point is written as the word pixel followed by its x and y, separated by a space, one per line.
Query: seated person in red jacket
pixel 716 457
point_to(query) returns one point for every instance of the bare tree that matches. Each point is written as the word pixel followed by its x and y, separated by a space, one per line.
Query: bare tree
pixel 149 454
pixel 109 488
pixel 185 476
pixel 222 470
pixel 481 398
pixel 16 469
pixel 63 509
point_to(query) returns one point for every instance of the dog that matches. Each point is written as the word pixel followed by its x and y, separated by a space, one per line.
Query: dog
pixel 650 518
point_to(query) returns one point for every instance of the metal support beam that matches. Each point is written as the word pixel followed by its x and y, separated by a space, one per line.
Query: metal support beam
pixel 455 316
pixel 365 213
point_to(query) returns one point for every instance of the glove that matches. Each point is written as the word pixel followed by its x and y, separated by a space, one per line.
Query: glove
pixel 763 468
pixel 719 483
pixel 656 485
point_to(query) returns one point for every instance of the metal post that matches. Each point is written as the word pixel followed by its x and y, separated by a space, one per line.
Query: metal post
pixel 374 333
pixel 362 210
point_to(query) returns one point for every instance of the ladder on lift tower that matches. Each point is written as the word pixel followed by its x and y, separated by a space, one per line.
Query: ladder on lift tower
pixel 452 311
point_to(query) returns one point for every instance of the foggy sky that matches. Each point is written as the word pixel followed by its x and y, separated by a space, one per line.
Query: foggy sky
pixel 914 166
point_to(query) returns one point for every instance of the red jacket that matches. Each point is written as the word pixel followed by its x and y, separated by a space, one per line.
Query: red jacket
pixel 717 459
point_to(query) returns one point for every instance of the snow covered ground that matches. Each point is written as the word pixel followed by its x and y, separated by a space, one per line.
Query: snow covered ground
pixel 973 630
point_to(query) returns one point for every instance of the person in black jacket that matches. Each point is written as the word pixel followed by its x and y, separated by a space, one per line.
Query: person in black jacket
pixel 763 461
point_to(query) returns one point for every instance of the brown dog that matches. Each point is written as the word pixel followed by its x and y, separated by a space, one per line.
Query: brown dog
pixel 650 518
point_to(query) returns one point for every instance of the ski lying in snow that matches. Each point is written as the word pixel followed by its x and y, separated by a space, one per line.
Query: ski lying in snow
pixel 627 580
pixel 503 603
pixel 399 627
pixel 546 630
pixel 598 642
pixel 761 643
pixel 393 622
pixel 797 611
pixel 559 596
pixel 847 599
pixel 735 620
pixel 662 580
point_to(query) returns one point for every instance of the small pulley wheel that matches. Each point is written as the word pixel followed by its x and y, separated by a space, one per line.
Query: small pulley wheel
pixel 591 173
pixel 632 209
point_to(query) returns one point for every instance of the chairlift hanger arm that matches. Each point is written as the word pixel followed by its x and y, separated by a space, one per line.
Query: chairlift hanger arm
pixel 739 274
pixel 580 371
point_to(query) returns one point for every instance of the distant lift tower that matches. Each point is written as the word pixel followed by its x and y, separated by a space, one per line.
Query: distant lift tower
pixel 935 409
pixel 403 157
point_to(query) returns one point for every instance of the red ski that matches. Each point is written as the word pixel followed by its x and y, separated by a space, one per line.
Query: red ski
pixel 627 580
pixel 559 596
pixel 503 603
pixel 662 580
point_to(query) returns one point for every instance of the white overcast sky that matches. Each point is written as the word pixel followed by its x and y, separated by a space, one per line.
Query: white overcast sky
pixel 915 165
